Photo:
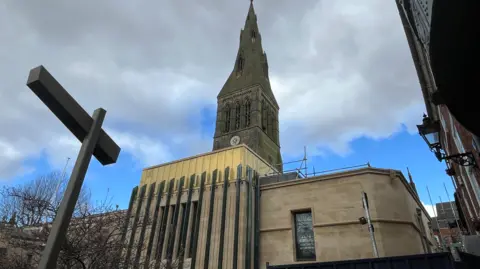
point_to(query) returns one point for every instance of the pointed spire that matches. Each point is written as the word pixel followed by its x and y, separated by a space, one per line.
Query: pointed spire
pixel 251 66
pixel 410 176
pixel 412 184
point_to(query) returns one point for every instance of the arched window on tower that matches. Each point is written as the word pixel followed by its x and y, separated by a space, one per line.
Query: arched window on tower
pixel 237 116
pixel 264 116
pixel 248 112
pixel 240 63
pixel 227 118
pixel 253 34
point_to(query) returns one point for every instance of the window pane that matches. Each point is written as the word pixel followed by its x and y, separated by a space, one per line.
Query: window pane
pixel 304 239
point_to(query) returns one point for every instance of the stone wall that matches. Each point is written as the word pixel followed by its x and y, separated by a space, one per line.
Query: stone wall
pixel 335 203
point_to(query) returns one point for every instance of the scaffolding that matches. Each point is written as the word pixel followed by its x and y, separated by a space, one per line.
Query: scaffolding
pixel 302 171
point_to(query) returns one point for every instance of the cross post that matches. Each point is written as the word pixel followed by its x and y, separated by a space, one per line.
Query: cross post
pixel 94 142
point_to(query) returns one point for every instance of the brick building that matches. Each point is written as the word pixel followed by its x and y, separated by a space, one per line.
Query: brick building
pixel 449 140
pixel 456 140
pixel 447 32
pixel 446 225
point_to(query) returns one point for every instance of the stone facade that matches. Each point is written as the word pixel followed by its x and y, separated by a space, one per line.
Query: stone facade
pixel 197 209
pixel 213 209
pixel 246 106
pixel 335 204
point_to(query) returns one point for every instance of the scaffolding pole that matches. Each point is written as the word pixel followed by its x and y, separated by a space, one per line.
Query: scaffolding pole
pixel 451 205
pixel 436 218
pixel 305 159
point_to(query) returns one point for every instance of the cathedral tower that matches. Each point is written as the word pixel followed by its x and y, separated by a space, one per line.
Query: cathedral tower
pixel 247 111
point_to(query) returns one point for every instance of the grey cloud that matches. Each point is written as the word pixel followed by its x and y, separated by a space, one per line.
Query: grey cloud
pixel 155 64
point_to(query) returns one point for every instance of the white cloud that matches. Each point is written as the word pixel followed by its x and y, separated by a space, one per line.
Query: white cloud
pixel 432 211
pixel 340 70
pixel 145 150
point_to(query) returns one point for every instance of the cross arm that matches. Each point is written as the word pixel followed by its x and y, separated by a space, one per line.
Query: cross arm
pixel 70 113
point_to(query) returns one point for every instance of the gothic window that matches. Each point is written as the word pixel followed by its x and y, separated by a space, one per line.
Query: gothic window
pixel 227 118
pixel 237 116
pixel 264 116
pixel 304 236
pixel 253 34
pixel 248 112
pixel 240 63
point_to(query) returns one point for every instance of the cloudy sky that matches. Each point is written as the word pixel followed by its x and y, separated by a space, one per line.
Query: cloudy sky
pixel 341 71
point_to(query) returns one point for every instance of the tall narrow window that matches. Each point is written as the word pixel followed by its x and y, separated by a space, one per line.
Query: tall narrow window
pixel 264 116
pixel 248 112
pixel 237 116
pixel 227 118
pixel 192 228
pixel 304 236
pixel 240 63
pixel 253 34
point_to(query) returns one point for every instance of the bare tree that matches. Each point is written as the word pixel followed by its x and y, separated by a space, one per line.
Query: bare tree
pixel 14 261
pixel 93 238
pixel 37 201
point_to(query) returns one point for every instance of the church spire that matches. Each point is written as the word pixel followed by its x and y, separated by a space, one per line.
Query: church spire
pixel 251 65
pixel 247 111
pixel 412 184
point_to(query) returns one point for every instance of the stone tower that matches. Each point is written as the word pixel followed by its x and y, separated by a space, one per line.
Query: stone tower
pixel 247 111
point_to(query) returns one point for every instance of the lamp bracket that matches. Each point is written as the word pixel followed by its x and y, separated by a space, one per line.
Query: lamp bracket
pixel 463 159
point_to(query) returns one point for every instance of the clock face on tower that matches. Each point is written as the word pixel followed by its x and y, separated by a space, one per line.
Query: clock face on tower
pixel 235 140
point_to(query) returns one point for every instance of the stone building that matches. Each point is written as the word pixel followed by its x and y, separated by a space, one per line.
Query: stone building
pixel 247 110
pixel 234 207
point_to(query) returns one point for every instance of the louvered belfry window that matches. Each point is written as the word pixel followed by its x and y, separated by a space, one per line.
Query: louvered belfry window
pixel 237 116
pixel 227 119
pixel 240 63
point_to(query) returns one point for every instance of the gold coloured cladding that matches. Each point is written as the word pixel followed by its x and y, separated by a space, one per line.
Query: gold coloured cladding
pixel 208 162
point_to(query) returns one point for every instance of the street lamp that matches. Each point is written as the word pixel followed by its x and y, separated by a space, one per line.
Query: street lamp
pixel 429 130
